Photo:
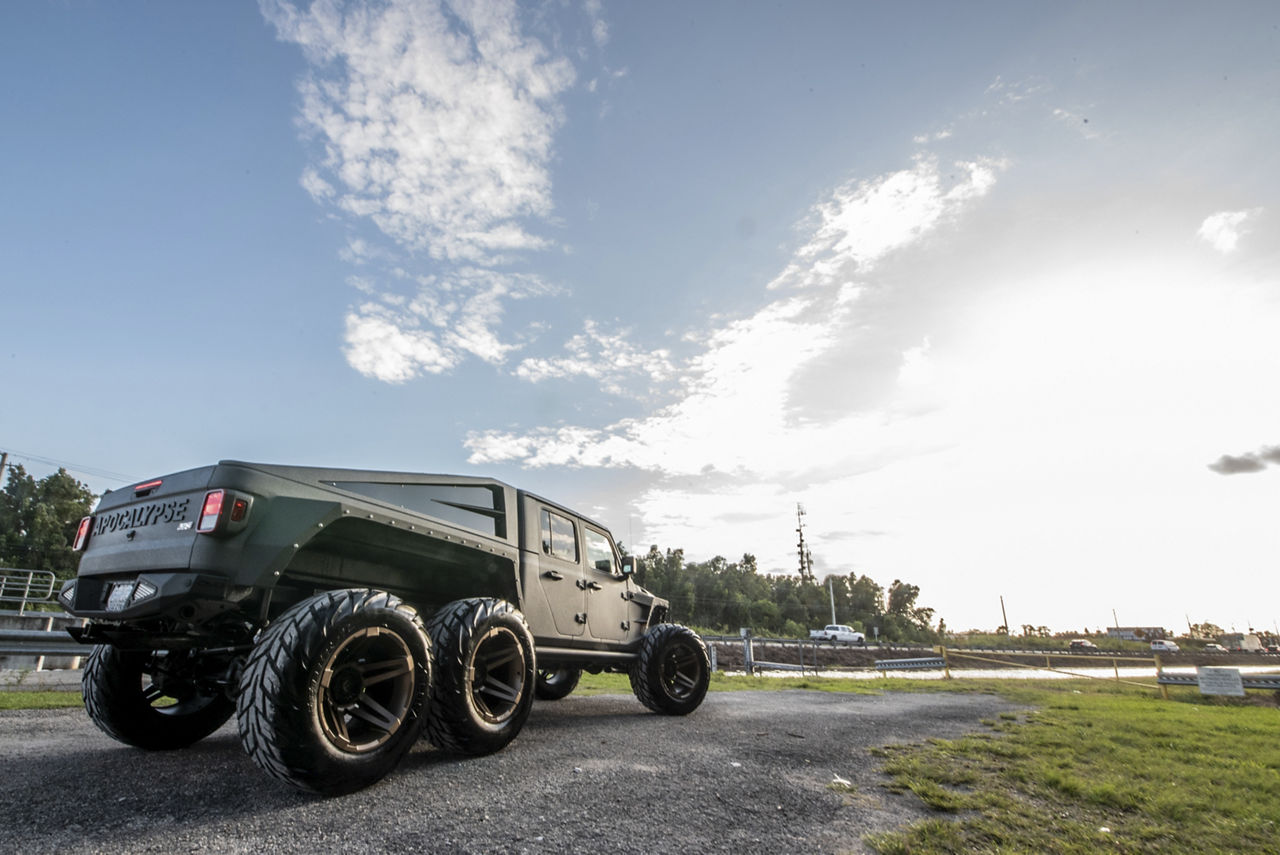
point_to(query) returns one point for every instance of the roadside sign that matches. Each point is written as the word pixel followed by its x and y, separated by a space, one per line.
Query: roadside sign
pixel 1220 681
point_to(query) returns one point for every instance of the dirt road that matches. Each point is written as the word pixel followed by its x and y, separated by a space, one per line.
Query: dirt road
pixel 747 773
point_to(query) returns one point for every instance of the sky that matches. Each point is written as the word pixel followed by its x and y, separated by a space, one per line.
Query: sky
pixel 991 289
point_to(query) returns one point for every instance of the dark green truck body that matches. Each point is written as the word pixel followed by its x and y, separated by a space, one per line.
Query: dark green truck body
pixel 150 578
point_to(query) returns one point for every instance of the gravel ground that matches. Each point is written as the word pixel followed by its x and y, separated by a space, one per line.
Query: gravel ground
pixel 746 773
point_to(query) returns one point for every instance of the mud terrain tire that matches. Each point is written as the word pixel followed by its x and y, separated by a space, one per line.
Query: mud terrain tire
pixel 673 671
pixel 140 699
pixel 333 693
pixel 557 683
pixel 484 675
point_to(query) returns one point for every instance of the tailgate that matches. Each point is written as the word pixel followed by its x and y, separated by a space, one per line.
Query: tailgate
pixel 149 526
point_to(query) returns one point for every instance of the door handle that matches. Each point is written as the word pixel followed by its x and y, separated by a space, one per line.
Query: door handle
pixel 595 586
pixel 553 574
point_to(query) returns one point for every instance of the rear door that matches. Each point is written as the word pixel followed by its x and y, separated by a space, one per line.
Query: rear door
pixel 560 570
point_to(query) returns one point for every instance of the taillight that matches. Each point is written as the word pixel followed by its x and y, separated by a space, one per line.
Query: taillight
pixel 210 512
pixel 224 512
pixel 82 534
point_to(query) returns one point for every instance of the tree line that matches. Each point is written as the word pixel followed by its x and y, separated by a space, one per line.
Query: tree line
pixel 724 596
pixel 38 521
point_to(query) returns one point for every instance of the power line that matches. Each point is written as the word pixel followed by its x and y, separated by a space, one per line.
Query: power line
pixel 75 467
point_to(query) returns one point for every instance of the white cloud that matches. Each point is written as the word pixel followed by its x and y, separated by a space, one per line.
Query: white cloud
pixel 378 347
pixel 316 187
pixel 609 358
pixel 736 416
pixel 865 221
pixel 1078 121
pixel 735 400
pixel 1011 93
pixel 917 367
pixel 599 27
pixel 359 252
pixel 396 338
pixel 1224 229
pixel 935 136
pixel 437 120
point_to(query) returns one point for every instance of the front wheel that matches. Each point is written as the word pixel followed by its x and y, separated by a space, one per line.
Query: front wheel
pixel 152 700
pixel 557 683
pixel 673 671
pixel 333 692
pixel 485 675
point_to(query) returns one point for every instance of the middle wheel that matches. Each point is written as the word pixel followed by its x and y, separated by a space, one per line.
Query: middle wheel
pixel 484 675
pixel 557 683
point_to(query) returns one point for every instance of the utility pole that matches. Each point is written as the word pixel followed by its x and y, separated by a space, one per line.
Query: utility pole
pixel 806 560
pixel 1005 615
pixel 832 591
pixel 1116 619
pixel 4 458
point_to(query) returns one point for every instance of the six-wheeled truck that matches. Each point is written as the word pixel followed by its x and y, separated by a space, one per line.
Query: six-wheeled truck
pixel 342 614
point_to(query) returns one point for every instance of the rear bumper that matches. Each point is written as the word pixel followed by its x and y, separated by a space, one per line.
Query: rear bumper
pixel 185 597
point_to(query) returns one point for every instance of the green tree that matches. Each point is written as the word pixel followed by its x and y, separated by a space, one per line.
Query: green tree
pixel 38 521
pixel 1206 630
pixel 723 595
pixel 866 597
pixel 902 598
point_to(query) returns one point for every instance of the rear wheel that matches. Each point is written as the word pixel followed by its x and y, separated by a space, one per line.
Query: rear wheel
pixel 157 701
pixel 484 667
pixel 556 683
pixel 673 671
pixel 333 692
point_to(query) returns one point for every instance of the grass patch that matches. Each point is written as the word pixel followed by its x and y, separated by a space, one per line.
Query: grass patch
pixel 39 700
pixel 1094 766
pixel 1098 768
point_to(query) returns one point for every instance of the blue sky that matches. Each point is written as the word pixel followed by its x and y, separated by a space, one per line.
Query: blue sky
pixel 991 288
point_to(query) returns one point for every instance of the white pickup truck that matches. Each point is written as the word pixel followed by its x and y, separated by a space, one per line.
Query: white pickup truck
pixel 838 632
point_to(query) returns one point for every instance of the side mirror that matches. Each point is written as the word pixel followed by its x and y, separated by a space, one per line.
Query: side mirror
pixel 629 567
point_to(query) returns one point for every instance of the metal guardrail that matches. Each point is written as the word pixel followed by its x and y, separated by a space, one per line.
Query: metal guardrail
pixel 26 587
pixel 1249 681
pixel 38 642
pixel 910 664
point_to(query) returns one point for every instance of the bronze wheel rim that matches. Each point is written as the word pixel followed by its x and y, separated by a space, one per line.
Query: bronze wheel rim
pixel 365 690
pixel 680 671
pixel 497 675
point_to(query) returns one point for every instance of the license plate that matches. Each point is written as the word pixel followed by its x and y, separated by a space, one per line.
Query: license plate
pixel 118 599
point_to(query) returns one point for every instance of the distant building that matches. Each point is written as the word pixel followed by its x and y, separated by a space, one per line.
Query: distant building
pixel 1240 641
pixel 1137 633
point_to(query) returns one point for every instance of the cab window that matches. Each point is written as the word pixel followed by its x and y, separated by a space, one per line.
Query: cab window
pixel 558 537
pixel 599 552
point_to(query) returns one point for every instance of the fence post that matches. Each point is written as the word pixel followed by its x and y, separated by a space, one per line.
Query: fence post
pixel 48 627
pixel 748 659
pixel 26 592
pixel 946 662
pixel 1164 690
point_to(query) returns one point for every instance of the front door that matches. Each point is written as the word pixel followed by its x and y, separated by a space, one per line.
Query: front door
pixel 608 609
